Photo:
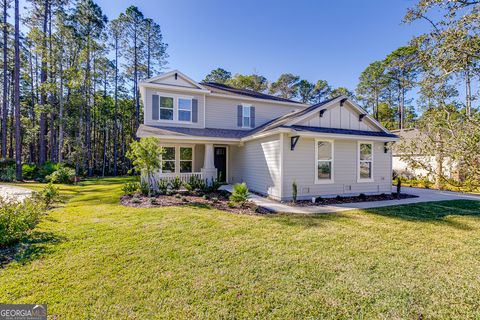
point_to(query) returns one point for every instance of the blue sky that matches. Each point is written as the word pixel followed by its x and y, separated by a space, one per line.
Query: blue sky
pixel 332 40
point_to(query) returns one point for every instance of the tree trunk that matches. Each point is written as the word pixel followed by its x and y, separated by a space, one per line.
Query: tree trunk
pixel 468 94
pixel 60 106
pixel 32 107
pixel 43 98
pixel 115 110
pixel 135 79
pixel 16 89
pixel 88 115
pixel 5 80
pixel 52 143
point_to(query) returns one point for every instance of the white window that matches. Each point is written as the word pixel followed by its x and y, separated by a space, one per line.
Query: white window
pixel 168 159
pixel 246 116
pixel 186 159
pixel 324 161
pixel 166 108
pixel 365 161
pixel 184 109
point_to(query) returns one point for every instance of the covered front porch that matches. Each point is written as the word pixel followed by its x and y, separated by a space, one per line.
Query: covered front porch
pixel 205 161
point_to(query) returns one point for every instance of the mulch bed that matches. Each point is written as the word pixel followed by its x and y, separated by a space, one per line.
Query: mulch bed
pixel 215 200
pixel 340 200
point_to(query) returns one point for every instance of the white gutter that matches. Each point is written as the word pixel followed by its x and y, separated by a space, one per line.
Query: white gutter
pixel 171 87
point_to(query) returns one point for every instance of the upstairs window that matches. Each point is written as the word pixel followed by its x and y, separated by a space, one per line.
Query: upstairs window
pixel 365 161
pixel 184 109
pixel 168 159
pixel 324 161
pixel 246 117
pixel 166 108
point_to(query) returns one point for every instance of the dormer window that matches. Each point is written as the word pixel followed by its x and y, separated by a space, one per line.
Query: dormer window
pixel 166 108
pixel 184 109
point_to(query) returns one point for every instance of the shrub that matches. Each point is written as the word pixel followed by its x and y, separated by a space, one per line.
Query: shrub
pixel 239 194
pixel 48 195
pixel 130 188
pixel 362 196
pixel 145 188
pixel 17 218
pixel 47 169
pixel 162 186
pixel 176 184
pixel 294 191
pixel 62 175
pixel 30 171
pixel 8 174
pixel 193 184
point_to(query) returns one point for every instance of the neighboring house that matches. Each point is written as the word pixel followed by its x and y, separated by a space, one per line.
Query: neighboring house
pixel 213 130
pixel 405 169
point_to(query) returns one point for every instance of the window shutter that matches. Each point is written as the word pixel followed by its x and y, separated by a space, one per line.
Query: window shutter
pixel 252 117
pixel 155 106
pixel 194 110
pixel 239 115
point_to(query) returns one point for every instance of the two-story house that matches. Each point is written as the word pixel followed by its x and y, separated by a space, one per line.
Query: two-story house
pixel 213 130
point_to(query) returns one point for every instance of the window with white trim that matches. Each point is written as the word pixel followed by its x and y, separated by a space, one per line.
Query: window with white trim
pixel 168 159
pixel 246 116
pixel 324 161
pixel 184 109
pixel 365 161
pixel 186 159
pixel 166 108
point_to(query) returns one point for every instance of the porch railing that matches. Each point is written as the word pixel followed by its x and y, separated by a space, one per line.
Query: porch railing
pixel 184 176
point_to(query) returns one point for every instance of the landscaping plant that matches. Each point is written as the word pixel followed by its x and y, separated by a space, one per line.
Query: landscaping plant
pixel 294 191
pixel 17 218
pixel 176 184
pixel 162 185
pixel 48 195
pixel 63 174
pixel 129 188
pixel 239 194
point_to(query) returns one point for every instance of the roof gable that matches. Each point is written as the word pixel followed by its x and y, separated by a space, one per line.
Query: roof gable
pixel 175 78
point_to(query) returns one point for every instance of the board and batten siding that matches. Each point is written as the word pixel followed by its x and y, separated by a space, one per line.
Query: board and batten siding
pixel 339 117
pixel 147 102
pixel 222 112
pixel 257 163
pixel 299 166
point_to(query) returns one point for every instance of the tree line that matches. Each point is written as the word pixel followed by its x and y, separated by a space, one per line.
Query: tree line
pixel 70 83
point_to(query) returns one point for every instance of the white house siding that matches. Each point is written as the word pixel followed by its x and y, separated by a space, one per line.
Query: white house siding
pixel 339 117
pixel 257 163
pixel 147 102
pixel 299 166
pixel 222 112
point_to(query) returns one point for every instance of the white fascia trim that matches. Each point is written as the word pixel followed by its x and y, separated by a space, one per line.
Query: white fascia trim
pixel 190 138
pixel 342 136
pixel 245 98
pixel 308 114
pixel 171 87
pixel 266 134
pixel 181 74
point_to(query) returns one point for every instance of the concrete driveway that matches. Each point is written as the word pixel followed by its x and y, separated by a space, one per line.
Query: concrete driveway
pixel 14 193
pixel 424 195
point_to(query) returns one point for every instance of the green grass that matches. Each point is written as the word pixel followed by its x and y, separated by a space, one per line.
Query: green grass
pixel 93 258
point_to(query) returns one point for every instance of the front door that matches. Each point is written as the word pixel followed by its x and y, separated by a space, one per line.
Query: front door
pixel 220 161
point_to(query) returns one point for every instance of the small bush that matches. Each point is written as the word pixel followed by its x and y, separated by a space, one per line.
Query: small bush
pixel 176 184
pixel 145 188
pixel 47 169
pixel 48 195
pixel 162 186
pixel 62 175
pixel 17 218
pixel 193 184
pixel 239 194
pixel 130 188
pixel 362 196
pixel 30 171
pixel 7 174
pixel 294 191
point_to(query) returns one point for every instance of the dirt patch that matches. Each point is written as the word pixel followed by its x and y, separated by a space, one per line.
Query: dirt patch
pixel 216 200
pixel 339 200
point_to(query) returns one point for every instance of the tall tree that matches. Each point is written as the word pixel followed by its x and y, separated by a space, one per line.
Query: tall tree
pixel 305 91
pixel 218 75
pixel 253 82
pixel 342 91
pixel 371 85
pixel 156 49
pixel 116 34
pixel 286 86
pixel 5 79
pixel 18 138
pixel 321 91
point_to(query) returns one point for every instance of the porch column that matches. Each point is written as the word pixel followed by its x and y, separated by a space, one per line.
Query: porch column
pixel 209 171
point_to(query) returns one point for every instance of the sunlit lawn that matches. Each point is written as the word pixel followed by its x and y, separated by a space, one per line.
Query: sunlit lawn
pixel 93 258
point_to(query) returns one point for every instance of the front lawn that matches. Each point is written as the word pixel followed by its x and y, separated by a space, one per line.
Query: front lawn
pixel 94 258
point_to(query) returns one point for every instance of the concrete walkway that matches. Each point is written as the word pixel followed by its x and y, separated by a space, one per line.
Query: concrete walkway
pixel 424 195
pixel 14 193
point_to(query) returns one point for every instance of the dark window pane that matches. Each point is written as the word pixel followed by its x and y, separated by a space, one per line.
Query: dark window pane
pixel 185 153
pixel 185 166
pixel 168 153
pixel 324 170
pixel 168 166
pixel 166 102
pixel 166 114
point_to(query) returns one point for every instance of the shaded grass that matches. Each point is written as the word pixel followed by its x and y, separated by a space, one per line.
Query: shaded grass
pixel 102 260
